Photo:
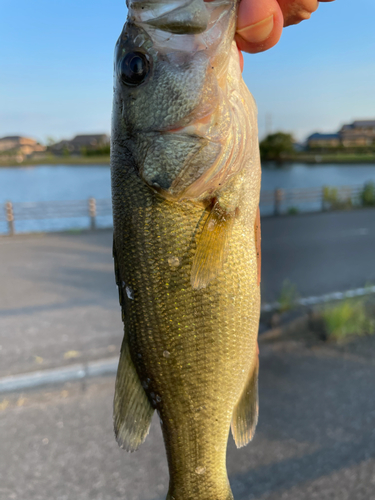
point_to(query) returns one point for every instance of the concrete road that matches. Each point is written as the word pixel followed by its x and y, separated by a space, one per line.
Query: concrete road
pixel 315 438
pixel 319 253
pixel 58 299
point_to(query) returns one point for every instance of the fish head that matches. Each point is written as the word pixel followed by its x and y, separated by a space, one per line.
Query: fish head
pixel 174 65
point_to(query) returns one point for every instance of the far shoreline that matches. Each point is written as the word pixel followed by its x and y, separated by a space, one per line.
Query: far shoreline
pixel 74 161
pixel 92 161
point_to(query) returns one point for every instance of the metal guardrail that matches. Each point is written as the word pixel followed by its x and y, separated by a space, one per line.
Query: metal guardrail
pixel 91 208
pixel 278 201
pixel 326 197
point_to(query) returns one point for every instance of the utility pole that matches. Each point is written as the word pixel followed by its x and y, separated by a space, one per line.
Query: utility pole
pixel 268 123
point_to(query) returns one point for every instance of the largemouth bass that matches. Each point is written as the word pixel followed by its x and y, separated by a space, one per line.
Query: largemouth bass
pixel 185 183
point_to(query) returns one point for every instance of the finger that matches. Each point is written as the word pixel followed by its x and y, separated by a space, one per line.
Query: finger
pixel 242 62
pixel 295 11
pixel 259 25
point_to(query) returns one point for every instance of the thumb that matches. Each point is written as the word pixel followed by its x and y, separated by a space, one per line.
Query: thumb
pixel 260 24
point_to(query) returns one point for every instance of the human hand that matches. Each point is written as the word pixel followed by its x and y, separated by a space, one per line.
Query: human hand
pixel 260 22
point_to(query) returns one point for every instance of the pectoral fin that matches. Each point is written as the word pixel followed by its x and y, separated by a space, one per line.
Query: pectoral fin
pixel 132 412
pixel 212 245
pixel 245 415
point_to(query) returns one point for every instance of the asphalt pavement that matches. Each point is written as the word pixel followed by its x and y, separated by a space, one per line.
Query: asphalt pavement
pixel 320 253
pixel 58 301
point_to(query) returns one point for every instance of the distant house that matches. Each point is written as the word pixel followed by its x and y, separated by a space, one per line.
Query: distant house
pixel 20 145
pixel 358 133
pixel 318 140
pixel 79 143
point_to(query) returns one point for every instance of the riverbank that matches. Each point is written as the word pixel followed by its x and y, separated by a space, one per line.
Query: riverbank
pixel 56 160
pixel 309 158
pixel 324 159
pixel 59 193
pixel 332 158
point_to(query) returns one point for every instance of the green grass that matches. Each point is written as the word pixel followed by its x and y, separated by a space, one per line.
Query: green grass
pixel 293 211
pixel 331 197
pixel 324 158
pixel 288 296
pixel 343 158
pixel 349 318
pixel 368 195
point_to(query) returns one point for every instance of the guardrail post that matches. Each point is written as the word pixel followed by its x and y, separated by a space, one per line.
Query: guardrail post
pixel 92 212
pixel 323 199
pixel 278 198
pixel 10 217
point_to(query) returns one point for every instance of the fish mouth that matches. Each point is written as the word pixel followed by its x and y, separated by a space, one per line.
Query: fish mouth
pixel 173 16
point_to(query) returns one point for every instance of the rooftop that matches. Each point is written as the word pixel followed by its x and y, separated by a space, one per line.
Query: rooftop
pixel 317 135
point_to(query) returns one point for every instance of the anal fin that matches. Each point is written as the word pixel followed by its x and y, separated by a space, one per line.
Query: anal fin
pixel 212 246
pixel 245 415
pixel 132 411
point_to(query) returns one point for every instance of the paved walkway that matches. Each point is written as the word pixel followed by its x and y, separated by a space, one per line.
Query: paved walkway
pixel 58 301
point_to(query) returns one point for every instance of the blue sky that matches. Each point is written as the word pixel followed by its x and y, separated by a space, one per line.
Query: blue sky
pixel 56 68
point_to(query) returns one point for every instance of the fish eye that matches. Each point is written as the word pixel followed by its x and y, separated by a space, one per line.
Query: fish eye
pixel 134 68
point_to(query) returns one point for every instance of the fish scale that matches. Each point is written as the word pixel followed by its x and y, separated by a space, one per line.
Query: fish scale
pixel 186 256
pixel 209 333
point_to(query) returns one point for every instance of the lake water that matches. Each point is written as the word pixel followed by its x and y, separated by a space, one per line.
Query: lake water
pixel 54 183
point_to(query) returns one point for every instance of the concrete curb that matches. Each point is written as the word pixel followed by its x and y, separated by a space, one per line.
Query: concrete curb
pixel 33 380
pixel 16 383
pixel 310 301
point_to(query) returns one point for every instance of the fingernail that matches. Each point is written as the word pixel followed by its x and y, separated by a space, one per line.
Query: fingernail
pixel 258 32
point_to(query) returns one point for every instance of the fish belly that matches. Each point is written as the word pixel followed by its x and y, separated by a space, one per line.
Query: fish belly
pixel 193 350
